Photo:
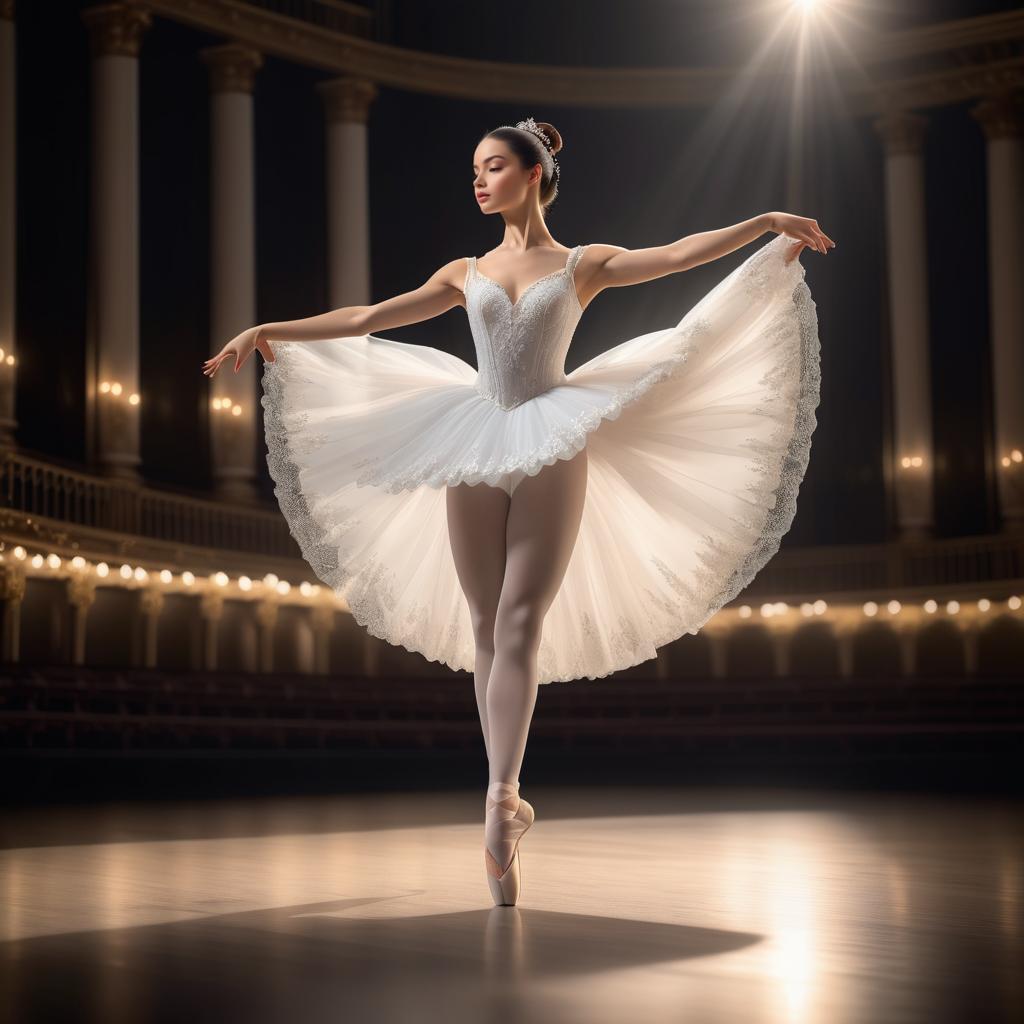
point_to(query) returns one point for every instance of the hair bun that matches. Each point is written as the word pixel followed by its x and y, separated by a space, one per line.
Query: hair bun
pixel 552 133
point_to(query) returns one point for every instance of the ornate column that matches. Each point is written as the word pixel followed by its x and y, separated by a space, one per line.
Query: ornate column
pixel 151 602
pixel 113 399
pixel 232 265
pixel 845 635
pixel 81 591
pixel 914 465
pixel 371 656
pixel 907 638
pixel 1001 118
pixel 266 616
pixel 211 607
pixel 8 224
pixel 323 626
pixel 346 108
pixel 718 645
pixel 781 641
pixel 12 593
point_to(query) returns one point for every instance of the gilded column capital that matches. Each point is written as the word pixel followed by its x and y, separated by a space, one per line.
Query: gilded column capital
pixel 233 67
pixel 902 131
pixel 151 601
pixel 323 617
pixel 115 29
pixel 347 99
pixel 211 605
pixel 266 613
pixel 1000 115
pixel 81 591
pixel 12 583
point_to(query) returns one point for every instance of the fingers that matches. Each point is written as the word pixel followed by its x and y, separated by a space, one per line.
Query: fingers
pixel 211 366
pixel 818 240
pixel 821 241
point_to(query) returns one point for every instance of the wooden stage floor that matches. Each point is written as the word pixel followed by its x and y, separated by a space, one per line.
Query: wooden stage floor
pixel 639 903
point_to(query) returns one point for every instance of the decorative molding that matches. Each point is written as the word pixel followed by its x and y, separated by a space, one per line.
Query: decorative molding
pixel 347 99
pixel 902 131
pixel 953 61
pixel 116 29
pixel 233 67
pixel 1001 116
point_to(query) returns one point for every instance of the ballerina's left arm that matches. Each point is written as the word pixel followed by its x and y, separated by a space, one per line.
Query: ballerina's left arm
pixel 621 266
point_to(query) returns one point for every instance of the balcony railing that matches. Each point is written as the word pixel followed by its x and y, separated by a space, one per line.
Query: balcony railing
pixel 67 497
pixel 76 498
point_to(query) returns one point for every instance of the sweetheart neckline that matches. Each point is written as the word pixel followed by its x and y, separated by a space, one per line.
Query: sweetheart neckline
pixel 554 273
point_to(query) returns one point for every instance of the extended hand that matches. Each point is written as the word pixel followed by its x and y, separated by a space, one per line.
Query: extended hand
pixel 804 228
pixel 241 347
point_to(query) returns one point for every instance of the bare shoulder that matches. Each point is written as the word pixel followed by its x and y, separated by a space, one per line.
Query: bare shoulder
pixel 589 270
pixel 598 252
pixel 453 275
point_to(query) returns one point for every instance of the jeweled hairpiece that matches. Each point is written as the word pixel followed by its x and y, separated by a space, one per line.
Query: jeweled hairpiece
pixel 530 125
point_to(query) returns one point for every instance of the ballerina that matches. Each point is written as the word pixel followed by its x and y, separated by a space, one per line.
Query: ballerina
pixel 622 504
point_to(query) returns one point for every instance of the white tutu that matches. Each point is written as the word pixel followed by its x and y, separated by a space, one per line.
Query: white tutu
pixel 698 437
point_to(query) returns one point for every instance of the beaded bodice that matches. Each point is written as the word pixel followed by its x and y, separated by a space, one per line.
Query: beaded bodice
pixel 521 346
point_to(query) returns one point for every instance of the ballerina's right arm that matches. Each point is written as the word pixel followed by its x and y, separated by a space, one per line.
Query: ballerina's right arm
pixel 439 293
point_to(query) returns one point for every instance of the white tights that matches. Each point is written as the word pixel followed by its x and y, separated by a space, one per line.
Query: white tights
pixel 511 553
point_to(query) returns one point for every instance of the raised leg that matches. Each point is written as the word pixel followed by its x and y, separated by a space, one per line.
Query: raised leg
pixel 476 528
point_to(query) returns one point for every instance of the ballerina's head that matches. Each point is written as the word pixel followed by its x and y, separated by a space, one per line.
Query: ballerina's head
pixel 515 164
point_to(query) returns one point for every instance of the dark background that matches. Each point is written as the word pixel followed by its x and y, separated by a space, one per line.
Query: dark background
pixel 632 178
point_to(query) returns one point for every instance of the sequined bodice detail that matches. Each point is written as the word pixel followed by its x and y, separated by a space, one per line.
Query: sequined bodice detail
pixel 521 346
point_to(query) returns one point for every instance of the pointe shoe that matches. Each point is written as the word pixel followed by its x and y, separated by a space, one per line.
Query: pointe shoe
pixel 511 817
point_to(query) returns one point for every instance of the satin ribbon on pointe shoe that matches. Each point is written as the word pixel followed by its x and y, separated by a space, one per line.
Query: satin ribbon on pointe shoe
pixel 507 818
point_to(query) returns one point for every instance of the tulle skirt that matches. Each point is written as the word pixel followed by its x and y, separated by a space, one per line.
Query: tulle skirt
pixel 698 437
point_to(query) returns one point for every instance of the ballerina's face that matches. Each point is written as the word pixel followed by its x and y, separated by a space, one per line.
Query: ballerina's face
pixel 500 182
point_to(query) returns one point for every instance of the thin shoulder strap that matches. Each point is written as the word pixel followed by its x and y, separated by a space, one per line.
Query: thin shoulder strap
pixel 574 258
pixel 470 268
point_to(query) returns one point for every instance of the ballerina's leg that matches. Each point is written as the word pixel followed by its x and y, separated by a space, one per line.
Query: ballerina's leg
pixel 543 522
pixel 476 529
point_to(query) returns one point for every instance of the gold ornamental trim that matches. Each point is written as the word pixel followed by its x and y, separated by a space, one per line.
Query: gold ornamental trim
pixel 923 67
pixel 233 67
pixel 116 29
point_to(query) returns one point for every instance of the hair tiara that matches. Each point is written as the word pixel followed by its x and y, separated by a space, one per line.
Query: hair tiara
pixel 531 126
